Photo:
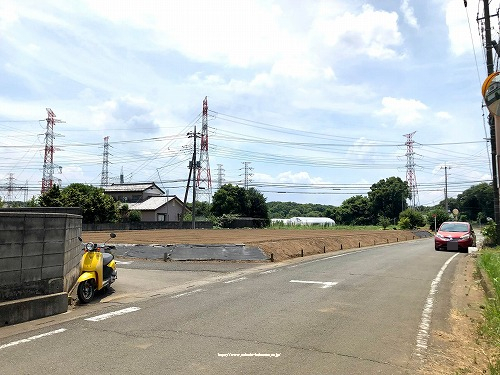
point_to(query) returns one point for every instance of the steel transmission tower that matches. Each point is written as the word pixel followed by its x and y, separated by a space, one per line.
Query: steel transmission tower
pixel 203 179
pixel 220 176
pixel 410 170
pixel 105 163
pixel 247 175
pixel 48 160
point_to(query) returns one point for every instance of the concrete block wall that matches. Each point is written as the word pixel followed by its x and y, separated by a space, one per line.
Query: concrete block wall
pixel 39 253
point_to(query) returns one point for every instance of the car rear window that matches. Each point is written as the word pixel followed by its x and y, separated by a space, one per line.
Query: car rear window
pixel 454 227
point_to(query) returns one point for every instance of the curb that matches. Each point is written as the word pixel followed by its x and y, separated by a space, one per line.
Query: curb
pixel 486 283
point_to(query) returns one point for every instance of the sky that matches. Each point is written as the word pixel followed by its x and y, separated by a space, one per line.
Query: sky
pixel 314 100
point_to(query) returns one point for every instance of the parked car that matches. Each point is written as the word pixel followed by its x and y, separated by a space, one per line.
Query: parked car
pixel 455 236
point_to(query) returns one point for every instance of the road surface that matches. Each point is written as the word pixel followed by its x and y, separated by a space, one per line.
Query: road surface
pixel 365 311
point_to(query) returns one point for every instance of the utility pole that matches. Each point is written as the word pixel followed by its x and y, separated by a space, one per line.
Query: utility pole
pixel 193 166
pixel 446 187
pixel 193 210
pixel 491 120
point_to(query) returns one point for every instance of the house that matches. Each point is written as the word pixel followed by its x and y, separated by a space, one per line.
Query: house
pixel 164 208
pixel 134 193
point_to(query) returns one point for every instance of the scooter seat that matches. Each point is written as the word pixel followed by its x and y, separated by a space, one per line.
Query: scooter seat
pixel 107 258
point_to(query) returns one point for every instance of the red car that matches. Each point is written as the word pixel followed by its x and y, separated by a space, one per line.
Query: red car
pixel 455 236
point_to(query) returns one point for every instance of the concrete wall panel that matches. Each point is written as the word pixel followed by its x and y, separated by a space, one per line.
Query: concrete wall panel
pixel 11 264
pixel 50 260
pixel 33 235
pixel 39 252
pixel 31 249
pixel 29 262
pixel 30 275
pixel 52 272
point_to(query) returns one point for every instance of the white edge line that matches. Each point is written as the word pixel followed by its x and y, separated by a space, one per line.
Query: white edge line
pixel 327 258
pixel 111 314
pixel 425 322
pixel 14 343
pixel 235 280
pixel 187 293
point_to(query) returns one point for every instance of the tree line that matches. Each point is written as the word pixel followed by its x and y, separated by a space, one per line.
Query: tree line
pixel 384 204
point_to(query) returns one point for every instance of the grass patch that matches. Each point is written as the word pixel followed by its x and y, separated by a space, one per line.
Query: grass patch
pixel 489 261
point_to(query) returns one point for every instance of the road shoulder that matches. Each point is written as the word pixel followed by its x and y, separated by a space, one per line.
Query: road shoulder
pixel 458 348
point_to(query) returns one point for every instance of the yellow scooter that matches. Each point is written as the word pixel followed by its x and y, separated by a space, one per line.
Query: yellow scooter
pixel 97 270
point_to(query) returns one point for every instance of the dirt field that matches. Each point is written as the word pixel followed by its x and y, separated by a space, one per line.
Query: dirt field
pixel 282 243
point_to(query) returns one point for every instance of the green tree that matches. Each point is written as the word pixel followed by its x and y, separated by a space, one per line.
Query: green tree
pixel 96 206
pixel 476 199
pixel 229 199
pixel 256 205
pixel 203 209
pixel 440 215
pixel 134 216
pixel 388 196
pixel 51 198
pixel 411 218
pixel 234 200
pixel 356 210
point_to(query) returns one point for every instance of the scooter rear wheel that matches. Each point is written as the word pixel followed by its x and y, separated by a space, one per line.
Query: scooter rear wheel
pixel 86 291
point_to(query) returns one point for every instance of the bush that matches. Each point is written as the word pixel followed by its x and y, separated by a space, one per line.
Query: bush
pixel 415 219
pixel 134 216
pixel 384 222
pixel 405 223
pixel 489 232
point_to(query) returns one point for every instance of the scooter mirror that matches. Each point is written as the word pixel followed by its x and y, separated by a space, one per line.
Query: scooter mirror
pixel 112 235
pixel 80 238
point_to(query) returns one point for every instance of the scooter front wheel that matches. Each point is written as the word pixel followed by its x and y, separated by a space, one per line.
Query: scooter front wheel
pixel 86 291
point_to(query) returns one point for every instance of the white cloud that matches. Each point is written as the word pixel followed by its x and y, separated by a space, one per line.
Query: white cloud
pixel 405 111
pixel 444 116
pixel 129 112
pixel 408 14
pixel 371 32
pixel 361 149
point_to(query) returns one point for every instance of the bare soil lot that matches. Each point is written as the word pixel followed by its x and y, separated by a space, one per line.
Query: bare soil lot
pixel 282 243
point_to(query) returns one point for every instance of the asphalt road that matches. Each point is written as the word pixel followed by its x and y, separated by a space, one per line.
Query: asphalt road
pixel 367 311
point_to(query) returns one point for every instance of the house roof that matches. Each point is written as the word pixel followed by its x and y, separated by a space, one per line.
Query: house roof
pixel 128 188
pixel 152 203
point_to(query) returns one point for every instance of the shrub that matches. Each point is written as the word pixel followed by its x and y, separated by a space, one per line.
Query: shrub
pixel 489 232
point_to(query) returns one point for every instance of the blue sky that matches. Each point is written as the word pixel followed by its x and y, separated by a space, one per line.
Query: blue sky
pixel 315 96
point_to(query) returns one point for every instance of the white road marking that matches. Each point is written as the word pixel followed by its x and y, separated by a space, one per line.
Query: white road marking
pixel 123 262
pixel 112 314
pixel 326 284
pixel 328 258
pixel 270 271
pixel 187 293
pixel 14 343
pixel 425 322
pixel 235 280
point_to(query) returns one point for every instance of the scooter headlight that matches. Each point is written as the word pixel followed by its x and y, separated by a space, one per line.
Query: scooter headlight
pixel 89 246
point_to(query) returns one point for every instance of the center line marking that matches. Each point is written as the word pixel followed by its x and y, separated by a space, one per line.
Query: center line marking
pixel 111 314
pixel 326 284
